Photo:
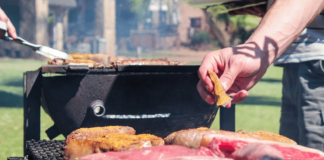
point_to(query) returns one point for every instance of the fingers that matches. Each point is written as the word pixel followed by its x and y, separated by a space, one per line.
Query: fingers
pixel 228 77
pixel 205 95
pixel 3 16
pixel 206 65
pixel 228 105
pixel 237 97
pixel 12 30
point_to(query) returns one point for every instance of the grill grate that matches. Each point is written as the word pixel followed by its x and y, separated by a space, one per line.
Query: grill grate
pixel 43 150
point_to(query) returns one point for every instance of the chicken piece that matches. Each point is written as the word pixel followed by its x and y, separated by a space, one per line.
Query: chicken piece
pixel 118 59
pixel 221 98
pixel 192 137
pixel 176 63
pixel 98 58
pixel 96 132
pixel 270 136
pixel 142 62
pixel 56 62
pixel 89 63
pixel 80 55
pixel 76 149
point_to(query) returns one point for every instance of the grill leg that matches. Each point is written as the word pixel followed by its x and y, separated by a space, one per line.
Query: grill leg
pixel 32 103
pixel 227 118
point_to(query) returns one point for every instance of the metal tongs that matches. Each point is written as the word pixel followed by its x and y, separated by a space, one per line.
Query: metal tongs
pixel 42 50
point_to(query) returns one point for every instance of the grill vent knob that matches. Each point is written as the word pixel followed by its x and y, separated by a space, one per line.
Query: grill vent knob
pixel 98 108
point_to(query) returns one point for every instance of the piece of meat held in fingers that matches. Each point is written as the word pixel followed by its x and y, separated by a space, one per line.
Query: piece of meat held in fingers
pixel 96 132
pixel 226 146
pixel 221 98
pixel 192 137
pixel 78 148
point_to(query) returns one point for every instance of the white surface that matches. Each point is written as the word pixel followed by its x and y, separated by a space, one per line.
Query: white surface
pixel 3 26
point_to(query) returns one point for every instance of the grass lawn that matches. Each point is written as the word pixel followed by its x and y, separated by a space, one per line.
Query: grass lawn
pixel 261 111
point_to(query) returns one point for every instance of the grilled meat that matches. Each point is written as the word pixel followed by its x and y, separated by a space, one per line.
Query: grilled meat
pixel 95 132
pixel 118 59
pixel 89 63
pixel 192 137
pixel 221 97
pixel 100 60
pixel 56 62
pixel 76 149
pixel 91 60
pixel 97 58
pixel 158 62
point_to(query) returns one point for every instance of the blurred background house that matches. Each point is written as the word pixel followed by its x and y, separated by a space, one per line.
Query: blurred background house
pixel 116 26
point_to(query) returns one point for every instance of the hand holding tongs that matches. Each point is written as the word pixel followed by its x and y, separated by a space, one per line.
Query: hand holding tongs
pixel 42 50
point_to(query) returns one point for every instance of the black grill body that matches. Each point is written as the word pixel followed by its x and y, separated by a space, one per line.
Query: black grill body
pixel 151 99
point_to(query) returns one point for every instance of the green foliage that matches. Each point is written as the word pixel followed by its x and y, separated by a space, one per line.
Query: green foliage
pixel 200 37
pixel 242 26
pixel 140 8
pixel 243 21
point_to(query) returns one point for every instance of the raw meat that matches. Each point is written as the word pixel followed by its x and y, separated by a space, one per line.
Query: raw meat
pixel 257 151
pixel 225 146
pixel 156 153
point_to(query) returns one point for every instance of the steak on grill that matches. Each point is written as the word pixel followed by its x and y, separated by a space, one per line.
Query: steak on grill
pixel 78 148
pixel 89 63
pixel 95 132
pixel 192 137
pixel 98 58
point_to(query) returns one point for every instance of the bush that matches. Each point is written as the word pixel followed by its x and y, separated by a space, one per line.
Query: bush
pixel 200 37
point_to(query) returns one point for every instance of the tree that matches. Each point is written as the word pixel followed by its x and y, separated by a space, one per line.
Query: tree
pixel 230 30
pixel 140 8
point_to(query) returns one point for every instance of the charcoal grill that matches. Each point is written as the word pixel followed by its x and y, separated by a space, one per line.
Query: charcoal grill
pixel 43 150
pixel 152 99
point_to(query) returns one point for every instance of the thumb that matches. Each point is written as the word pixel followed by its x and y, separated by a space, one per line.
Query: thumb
pixel 228 77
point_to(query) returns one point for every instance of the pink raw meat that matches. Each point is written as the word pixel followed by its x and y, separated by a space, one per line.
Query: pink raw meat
pixel 225 146
pixel 257 151
pixel 154 153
